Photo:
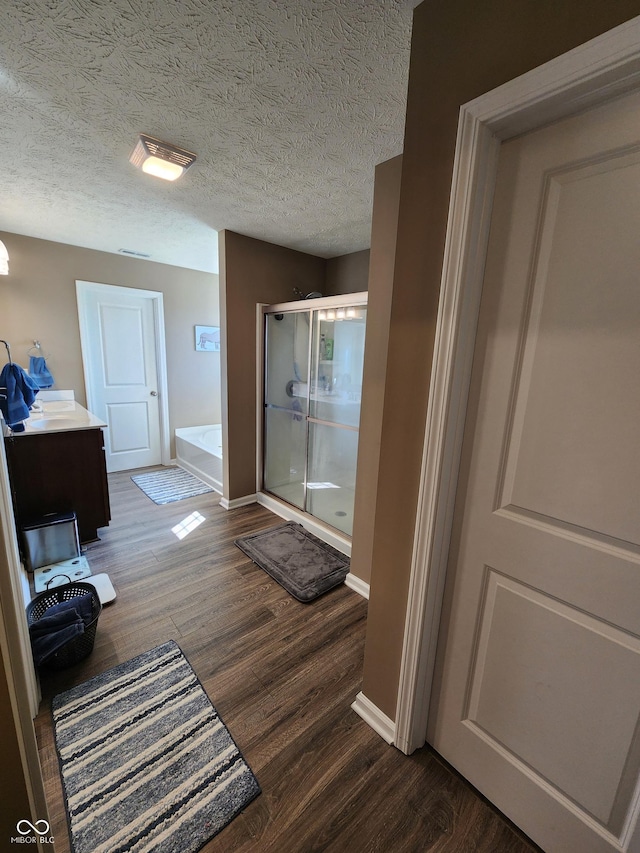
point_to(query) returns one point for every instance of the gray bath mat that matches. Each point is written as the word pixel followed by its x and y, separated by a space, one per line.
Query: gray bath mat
pixel 169 485
pixel 146 761
pixel 303 564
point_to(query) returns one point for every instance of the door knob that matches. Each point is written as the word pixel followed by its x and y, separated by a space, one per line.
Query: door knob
pixel 154 393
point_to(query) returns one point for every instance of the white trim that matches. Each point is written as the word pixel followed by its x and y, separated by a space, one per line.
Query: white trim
pixel 260 327
pixel 606 66
pixel 346 299
pixel 84 287
pixel 163 382
pixel 291 513
pixel 22 685
pixel 373 716
pixel 357 585
pixel 235 503
pixel 12 588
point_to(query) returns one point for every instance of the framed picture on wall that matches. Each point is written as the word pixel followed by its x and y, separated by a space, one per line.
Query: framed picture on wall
pixel 208 338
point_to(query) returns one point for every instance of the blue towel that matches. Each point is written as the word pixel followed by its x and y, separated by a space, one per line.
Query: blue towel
pixel 51 633
pixel 60 624
pixel 39 371
pixel 20 393
pixel 83 604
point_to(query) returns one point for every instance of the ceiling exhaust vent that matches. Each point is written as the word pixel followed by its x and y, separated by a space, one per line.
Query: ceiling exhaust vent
pixel 133 254
pixel 161 158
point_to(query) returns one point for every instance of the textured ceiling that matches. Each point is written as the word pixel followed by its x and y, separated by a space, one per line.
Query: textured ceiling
pixel 289 105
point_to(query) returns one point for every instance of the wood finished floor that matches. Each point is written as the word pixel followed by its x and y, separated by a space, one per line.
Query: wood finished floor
pixel 283 676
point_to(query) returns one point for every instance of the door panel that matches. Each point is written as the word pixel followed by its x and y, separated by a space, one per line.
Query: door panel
pixel 568 450
pixel 521 687
pixel 119 349
pixel 287 361
pixel 128 427
pixel 337 365
pixel 312 390
pixel 285 455
pixel 333 452
pixel 539 697
pixel 286 405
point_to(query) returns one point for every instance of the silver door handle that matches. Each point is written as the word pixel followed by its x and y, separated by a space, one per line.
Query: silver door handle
pixel 154 393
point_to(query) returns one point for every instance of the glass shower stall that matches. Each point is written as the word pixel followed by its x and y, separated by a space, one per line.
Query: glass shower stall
pixel 313 360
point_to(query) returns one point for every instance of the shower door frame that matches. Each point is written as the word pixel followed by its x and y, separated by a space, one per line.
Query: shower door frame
pixel 324 531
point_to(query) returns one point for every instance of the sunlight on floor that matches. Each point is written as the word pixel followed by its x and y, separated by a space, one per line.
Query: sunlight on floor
pixel 188 524
pixel 322 486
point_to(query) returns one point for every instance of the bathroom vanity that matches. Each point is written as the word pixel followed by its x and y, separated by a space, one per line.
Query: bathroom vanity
pixel 58 465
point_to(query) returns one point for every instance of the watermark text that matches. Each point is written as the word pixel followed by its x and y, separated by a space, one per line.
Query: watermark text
pixel 32 833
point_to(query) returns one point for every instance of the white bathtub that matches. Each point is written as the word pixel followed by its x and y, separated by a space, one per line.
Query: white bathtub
pixel 199 450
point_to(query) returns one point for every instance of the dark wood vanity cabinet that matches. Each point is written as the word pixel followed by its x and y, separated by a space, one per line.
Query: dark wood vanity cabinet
pixel 60 472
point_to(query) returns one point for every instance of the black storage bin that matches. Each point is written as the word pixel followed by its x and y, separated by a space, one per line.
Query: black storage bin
pixel 78 647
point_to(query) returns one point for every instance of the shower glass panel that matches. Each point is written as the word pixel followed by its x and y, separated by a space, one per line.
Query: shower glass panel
pixel 332 475
pixel 312 388
pixel 338 358
pixel 286 405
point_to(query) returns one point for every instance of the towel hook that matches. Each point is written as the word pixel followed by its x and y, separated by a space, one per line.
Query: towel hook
pixel 8 350
pixel 37 346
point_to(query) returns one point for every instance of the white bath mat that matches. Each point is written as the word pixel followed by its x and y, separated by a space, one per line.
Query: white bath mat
pixel 170 484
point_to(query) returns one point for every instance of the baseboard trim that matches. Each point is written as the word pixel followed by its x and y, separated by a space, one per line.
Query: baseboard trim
pixel 357 585
pixel 235 503
pixel 373 716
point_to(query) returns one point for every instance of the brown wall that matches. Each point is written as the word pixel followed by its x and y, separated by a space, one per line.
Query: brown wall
pixel 347 274
pixel 460 49
pixel 251 271
pixel 384 228
pixel 13 790
pixel 38 302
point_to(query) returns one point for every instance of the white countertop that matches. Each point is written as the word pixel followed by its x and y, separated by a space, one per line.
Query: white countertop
pixel 59 416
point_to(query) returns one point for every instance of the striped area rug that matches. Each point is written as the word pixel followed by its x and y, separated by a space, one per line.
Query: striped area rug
pixel 169 485
pixel 147 764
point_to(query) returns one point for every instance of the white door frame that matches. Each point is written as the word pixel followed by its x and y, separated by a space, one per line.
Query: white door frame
pixel 600 69
pixel 22 684
pixel 84 287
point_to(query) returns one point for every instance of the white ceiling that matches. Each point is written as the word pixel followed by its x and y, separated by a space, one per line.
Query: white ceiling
pixel 288 104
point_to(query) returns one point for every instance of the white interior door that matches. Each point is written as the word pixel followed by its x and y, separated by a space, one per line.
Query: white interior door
pixel 537 700
pixel 121 371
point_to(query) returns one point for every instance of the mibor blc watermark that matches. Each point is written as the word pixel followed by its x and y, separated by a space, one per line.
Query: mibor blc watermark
pixel 32 833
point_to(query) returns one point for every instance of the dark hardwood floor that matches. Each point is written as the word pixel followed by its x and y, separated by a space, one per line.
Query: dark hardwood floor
pixel 283 676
